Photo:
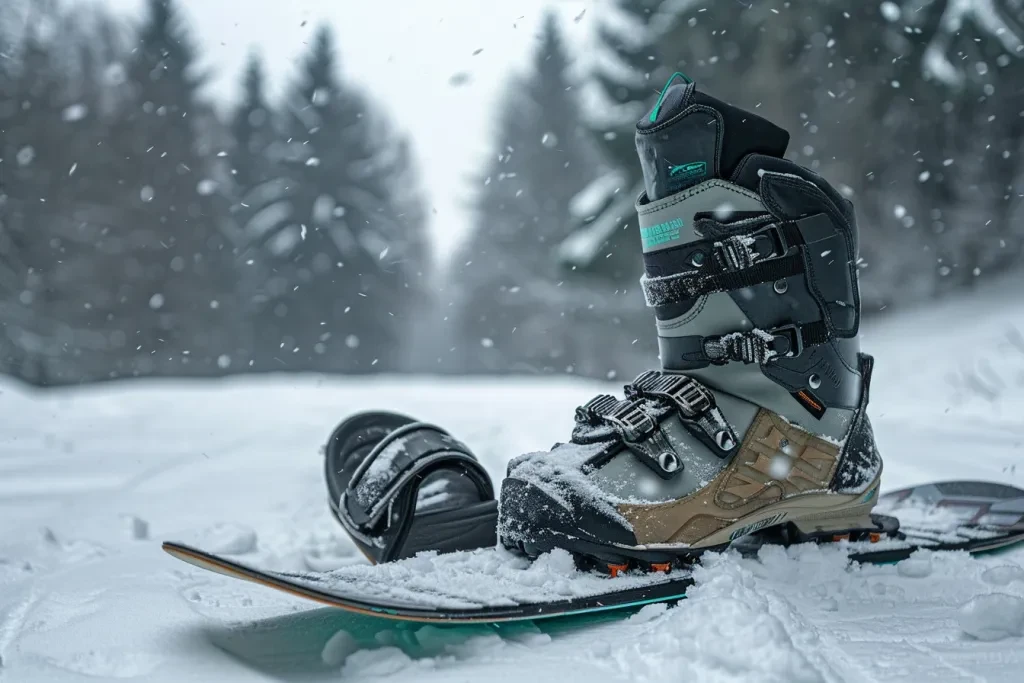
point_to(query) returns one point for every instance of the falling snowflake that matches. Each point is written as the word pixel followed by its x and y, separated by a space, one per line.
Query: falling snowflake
pixel 223 361
pixel 352 341
pixel 321 96
pixel 780 466
pixel 891 11
pixel 147 193
pixel 549 140
pixel 25 155
pixel 76 112
pixel 206 187
pixel 724 211
pixel 487 342
pixel 156 302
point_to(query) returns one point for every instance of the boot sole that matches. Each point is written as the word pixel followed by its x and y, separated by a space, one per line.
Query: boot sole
pixel 817 518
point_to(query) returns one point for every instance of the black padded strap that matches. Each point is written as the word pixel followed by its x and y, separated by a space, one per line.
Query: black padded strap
pixel 392 472
pixel 729 263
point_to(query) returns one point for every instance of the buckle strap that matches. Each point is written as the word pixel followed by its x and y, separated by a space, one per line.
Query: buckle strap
pixel 736 262
pixel 690 397
pixel 626 417
pixel 638 430
pixel 760 346
pixel 695 404
pixel 637 421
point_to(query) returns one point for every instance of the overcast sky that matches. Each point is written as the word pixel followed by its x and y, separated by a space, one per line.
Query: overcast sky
pixel 404 52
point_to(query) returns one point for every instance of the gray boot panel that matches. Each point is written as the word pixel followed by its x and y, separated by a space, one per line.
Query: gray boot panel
pixel 668 222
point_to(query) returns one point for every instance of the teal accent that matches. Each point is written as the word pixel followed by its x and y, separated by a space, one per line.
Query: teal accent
pixel 661 98
pixel 662 232
pixel 690 171
pixel 870 494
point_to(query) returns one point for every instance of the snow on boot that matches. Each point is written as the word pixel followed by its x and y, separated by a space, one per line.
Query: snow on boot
pixel 757 419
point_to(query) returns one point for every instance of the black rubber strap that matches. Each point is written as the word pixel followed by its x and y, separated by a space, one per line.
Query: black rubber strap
pixel 402 459
pixel 673 289
pixel 727 263
pixel 398 486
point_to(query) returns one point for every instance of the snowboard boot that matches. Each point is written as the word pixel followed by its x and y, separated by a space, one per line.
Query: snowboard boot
pixel 756 421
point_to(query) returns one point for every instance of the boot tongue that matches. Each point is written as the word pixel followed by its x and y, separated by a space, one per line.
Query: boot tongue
pixel 677 152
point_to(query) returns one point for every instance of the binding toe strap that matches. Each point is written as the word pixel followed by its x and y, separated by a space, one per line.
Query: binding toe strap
pixel 393 503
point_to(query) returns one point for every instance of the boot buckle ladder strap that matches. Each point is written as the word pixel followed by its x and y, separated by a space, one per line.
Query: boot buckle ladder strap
pixel 761 346
pixel 695 403
pixel 638 430
pixel 626 417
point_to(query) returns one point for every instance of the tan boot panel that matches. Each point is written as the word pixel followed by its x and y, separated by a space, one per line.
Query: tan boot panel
pixel 747 486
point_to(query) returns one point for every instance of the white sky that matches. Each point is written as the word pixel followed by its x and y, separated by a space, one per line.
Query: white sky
pixel 403 52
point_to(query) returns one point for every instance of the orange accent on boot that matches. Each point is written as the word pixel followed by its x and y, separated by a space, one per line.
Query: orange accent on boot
pixel 661 566
pixel 616 569
pixel 874 537
pixel 840 537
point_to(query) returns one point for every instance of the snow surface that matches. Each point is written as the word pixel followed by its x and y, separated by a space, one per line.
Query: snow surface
pixel 91 480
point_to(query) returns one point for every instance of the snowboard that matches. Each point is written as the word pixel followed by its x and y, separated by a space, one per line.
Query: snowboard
pixel 493 585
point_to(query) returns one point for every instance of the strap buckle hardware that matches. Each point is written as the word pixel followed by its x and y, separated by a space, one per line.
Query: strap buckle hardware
pixel 793 340
pixel 626 417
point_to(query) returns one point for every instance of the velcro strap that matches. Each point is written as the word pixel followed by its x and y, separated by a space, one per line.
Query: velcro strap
pixel 728 263
pixel 401 460
pixel 681 287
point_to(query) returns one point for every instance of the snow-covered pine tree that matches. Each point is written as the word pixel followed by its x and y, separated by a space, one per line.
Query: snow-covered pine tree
pixel 258 184
pixel 515 305
pixel 55 304
pixel 626 65
pixel 340 226
pixel 28 158
pixel 178 290
pixel 625 70
pixel 253 130
pixel 975 59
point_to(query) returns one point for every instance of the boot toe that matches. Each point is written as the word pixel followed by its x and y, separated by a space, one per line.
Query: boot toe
pixel 539 516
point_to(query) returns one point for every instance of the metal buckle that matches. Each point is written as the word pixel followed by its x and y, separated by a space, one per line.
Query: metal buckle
pixel 778 240
pixel 792 335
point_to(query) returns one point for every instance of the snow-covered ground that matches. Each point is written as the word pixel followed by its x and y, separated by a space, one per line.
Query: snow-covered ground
pixel 92 480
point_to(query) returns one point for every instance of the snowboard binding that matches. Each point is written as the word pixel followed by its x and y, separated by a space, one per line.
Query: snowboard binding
pixel 399 487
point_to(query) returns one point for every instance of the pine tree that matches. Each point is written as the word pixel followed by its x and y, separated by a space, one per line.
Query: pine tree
pixel 179 293
pixel 43 126
pixel 341 229
pixel 626 69
pixel 260 203
pixel 253 131
pixel 513 308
